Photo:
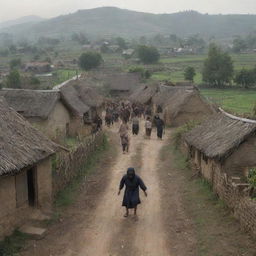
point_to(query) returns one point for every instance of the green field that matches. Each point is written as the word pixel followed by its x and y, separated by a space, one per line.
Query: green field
pixel 235 101
pixel 173 67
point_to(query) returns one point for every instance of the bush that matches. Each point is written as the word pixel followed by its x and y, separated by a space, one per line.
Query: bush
pixel 189 73
pixel 14 79
pixel 145 73
pixel 89 60
pixel 148 54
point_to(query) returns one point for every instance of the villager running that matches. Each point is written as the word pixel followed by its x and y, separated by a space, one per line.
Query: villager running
pixel 132 183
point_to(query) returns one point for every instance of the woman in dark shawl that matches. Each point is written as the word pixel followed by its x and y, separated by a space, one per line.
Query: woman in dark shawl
pixel 132 184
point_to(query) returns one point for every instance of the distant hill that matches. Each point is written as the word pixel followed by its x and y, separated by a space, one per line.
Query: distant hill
pixel 23 20
pixel 109 21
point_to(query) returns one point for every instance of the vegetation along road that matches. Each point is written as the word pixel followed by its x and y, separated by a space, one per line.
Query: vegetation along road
pixel 180 216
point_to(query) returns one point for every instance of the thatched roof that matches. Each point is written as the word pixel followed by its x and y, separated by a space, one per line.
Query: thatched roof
pixel 173 95
pixel 21 145
pixel 219 136
pixel 143 94
pixel 121 81
pixel 72 100
pixel 88 95
pixel 31 103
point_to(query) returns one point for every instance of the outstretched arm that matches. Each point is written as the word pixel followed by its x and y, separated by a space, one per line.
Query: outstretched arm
pixel 142 186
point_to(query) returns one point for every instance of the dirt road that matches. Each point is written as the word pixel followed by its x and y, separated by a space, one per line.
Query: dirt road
pixel 173 219
pixel 108 234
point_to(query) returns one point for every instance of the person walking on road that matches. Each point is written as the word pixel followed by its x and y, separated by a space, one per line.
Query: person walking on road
pixel 125 141
pixel 148 127
pixel 135 125
pixel 159 127
pixel 132 183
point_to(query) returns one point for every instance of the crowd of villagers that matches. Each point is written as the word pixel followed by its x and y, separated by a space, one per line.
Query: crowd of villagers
pixel 131 114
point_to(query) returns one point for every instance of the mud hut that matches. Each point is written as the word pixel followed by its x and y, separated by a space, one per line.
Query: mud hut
pixel 43 109
pixel 80 113
pixel 121 84
pixel 179 105
pixel 144 94
pixel 224 143
pixel 25 169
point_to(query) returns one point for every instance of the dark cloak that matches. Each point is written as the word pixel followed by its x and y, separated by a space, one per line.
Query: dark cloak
pixel 131 195
pixel 159 126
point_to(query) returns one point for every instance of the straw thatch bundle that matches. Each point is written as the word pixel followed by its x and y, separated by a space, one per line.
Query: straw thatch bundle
pixel 31 103
pixel 21 145
pixel 219 136
pixel 144 94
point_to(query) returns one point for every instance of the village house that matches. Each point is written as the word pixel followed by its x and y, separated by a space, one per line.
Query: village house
pixel 181 104
pixel 223 149
pixel 38 67
pixel 43 109
pixel 225 143
pixel 81 121
pixel 121 84
pixel 25 170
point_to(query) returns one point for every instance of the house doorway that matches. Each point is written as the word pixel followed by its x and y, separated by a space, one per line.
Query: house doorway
pixel 31 187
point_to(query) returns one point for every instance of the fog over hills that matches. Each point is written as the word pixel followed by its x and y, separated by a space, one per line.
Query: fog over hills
pixel 112 21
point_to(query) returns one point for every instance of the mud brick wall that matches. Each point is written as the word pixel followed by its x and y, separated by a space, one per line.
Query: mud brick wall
pixel 69 165
pixel 234 195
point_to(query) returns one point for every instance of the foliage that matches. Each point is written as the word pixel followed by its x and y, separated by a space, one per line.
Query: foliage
pixel 148 54
pixel 15 63
pixel 218 68
pixel 246 77
pixel 145 73
pixel 189 73
pixel 121 43
pixel 12 244
pixel 90 60
pixel 14 79
pixel 252 180
pixel 239 44
pixel 48 41
pixel 80 38
pixel 179 132
pixel 34 80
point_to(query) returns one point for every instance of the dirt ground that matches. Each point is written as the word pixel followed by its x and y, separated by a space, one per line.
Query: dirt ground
pixel 94 225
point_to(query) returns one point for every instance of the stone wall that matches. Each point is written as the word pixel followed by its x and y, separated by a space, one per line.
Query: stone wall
pixel 229 189
pixel 69 164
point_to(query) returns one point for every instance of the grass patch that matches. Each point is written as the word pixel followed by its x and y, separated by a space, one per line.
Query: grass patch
pixel 213 223
pixel 13 244
pixel 233 100
pixel 67 196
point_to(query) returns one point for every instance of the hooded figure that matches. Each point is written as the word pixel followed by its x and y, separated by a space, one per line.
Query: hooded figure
pixel 132 183
pixel 159 126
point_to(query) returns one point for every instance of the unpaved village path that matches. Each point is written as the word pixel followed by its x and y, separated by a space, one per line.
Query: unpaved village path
pixel 110 233
pixel 178 218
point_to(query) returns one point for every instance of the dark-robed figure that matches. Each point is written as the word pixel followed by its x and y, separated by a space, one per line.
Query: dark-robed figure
pixel 159 127
pixel 132 183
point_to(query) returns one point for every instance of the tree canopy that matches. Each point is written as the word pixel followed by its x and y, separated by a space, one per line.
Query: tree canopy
pixel 246 77
pixel 218 68
pixel 189 73
pixel 90 60
pixel 148 54
pixel 14 79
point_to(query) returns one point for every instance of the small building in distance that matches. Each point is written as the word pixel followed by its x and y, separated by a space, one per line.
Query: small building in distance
pixel 43 109
pixel 25 170
pixel 181 104
pixel 38 67
pixel 121 84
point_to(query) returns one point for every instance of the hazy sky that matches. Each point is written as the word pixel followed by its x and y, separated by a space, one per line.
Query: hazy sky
pixel 11 9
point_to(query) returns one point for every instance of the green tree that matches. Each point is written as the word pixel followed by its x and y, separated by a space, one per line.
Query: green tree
pixel 148 54
pixel 189 73
pixel 14 79
pixel 246 77
pixel 218 68
pixel 239 44
pixel 89 60
pixel 15 63
pixel 121 43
